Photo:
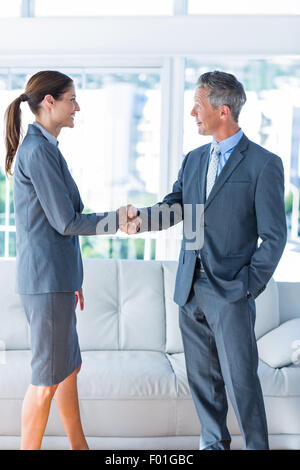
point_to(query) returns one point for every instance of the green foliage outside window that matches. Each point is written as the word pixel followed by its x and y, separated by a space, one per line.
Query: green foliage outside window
pixel 289 203
pixel 2 198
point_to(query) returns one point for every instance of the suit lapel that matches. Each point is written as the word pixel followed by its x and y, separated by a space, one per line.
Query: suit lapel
pixel 233 161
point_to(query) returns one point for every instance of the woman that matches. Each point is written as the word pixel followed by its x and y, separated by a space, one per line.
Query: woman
pixel 48 213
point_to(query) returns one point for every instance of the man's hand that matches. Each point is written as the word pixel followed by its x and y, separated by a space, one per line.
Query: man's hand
pixel 79 296
pixel 129 221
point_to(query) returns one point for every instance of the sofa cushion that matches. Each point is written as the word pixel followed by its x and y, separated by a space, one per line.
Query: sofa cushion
pixel 281 346
pixel 14 331
pixel 139 393
pixel 288 300
pixel 173 335
pixel 267 310
pixel 121 393
pixel 104 375
pixel 142 308
pixel 124 306
pixel 126 374
pixel 97 324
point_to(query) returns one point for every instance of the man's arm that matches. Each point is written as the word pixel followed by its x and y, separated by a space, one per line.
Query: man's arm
pixel 167 213
pixel 271 225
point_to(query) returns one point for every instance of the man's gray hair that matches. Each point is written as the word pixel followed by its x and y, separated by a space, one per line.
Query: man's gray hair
pixel 225 89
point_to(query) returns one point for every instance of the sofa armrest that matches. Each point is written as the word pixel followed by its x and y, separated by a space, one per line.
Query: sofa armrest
pixel 281 346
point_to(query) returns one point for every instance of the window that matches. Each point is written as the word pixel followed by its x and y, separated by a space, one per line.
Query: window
pixel 11 8
pixel 69 8
pixel 270 117
pixel 152 71
pixel 102 8
pixel 113 152
pixel 254 7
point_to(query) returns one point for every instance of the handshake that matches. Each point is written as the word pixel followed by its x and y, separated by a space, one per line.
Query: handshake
pixel 129 220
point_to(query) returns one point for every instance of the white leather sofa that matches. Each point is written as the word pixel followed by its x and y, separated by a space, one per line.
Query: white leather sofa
pixel 132 386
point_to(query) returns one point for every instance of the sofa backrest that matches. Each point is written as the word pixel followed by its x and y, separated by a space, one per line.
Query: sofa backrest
pixel 289 300
pixel 124 305
pixel 128 305
pixel 14 331
pixel 267 310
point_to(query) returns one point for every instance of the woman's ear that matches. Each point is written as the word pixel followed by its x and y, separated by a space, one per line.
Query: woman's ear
pixel 48 100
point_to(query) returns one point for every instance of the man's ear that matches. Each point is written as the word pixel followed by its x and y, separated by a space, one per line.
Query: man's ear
pixel 225 111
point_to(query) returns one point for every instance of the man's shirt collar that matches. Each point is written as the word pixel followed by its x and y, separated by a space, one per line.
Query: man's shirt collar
pixel 228 144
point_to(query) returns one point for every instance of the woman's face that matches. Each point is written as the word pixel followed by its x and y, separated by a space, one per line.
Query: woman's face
pixel 64 109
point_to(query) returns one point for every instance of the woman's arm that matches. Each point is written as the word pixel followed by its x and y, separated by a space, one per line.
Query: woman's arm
pixel 44 169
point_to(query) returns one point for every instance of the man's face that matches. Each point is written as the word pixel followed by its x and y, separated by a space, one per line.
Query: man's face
pixel 207 118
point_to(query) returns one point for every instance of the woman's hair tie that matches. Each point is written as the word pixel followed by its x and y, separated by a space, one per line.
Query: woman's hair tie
pixel 23 97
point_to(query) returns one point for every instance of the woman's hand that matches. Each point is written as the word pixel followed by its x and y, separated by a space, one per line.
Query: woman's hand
pixel 79 296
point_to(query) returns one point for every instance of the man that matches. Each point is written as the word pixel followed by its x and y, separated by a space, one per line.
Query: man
pixel 242 188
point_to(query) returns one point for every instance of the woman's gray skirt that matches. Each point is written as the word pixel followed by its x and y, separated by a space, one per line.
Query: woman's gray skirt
pixel 54 340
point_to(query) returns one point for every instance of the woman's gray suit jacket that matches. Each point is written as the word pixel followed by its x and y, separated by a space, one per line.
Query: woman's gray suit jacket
pixel 48 213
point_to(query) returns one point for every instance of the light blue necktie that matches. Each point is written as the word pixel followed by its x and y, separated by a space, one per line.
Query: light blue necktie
pixel 212 169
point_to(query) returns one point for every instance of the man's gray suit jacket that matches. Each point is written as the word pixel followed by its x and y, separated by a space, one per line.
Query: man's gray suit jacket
pixel 48 214
pixel 246 203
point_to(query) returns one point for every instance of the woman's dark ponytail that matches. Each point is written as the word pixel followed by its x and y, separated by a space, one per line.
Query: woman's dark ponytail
pixel 13 131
